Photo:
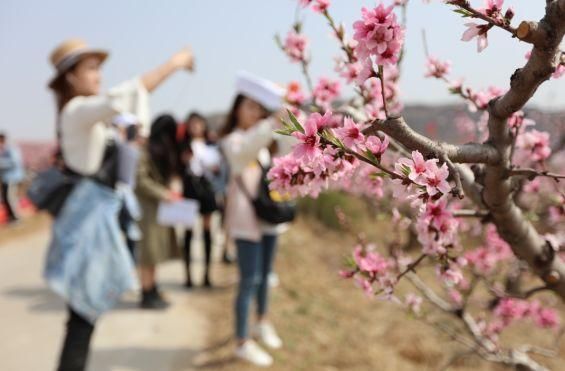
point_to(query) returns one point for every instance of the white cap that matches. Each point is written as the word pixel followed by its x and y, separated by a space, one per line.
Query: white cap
pixel 125 119
pixel 265 92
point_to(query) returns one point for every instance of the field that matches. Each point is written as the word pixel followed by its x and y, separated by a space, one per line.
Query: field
pixel 329 324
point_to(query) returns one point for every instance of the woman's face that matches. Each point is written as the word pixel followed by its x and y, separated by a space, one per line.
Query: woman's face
pixel 85 77
pixel 197 128
pixel 249 113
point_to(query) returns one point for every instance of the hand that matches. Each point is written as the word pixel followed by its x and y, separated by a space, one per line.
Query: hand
pixel 183 59
pixel 173 196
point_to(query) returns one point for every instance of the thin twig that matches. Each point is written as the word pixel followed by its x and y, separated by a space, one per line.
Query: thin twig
pixel 532 173
pixel 470 213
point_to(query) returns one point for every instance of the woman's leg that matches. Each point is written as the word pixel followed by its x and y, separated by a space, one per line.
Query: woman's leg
pixel 206 222
pixel 268 249
pixel 150 297
pixel 74 355
pixel 187 258
pixel 249 270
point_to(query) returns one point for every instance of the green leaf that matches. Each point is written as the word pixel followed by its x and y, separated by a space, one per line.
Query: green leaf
pixel 464 13
pixel 405 170
pixel 286 132
pixel 295 122
pixel 379 175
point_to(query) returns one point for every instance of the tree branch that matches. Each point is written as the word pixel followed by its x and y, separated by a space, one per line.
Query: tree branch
pixel 512 225
pixel 532 173
pixel 397 128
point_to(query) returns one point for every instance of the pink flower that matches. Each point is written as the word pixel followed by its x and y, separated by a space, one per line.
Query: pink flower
pixel 346 274
pixel 436 179
pixel 309 146
pixel 321 6
pixel 559 71
pixel 321 122
pixel 350 134
pixel 455 296
pixel 546 318
pixel 283 173
pixel 437 68
pixel 370 262
pixel 451 276
pixel 295 46
pixel 492 8
pixel 511 309
pixel 326 92
pixel 294 94
pixel 351 72
pixel 413 302
pixel 474 30
pixel 535 144
pixel 417 166
pixel 378 34
pixel 376 146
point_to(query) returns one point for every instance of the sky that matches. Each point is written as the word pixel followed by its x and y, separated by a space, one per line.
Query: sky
pixel 227 36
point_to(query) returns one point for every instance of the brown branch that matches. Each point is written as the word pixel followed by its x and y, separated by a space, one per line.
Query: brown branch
pixel 470 213
pixel 476 14
pixel 526 243
pixel 399 130
pixel 411 267
pixel 532 173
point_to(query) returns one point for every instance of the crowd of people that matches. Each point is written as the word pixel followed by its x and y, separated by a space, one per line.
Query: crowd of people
pixel 107 236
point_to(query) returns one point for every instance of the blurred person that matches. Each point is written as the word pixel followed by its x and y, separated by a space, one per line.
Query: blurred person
pixel 203 165
pixel 87 262
pixel 159 165
pixel 129 147
pixel 248 134
pixel 11 174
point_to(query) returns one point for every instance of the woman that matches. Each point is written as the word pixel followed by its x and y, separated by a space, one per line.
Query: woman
pixel 247 135
pixel 203 165
pixel 88 263
pixel 157 167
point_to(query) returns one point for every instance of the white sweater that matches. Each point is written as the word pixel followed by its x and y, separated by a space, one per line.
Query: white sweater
pixel 85 123
pixel 242 149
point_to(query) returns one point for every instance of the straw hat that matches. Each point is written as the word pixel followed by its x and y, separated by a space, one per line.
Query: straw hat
pixel 68 53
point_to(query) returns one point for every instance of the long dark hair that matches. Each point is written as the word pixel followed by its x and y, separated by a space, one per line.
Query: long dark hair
pixel 162 146
pixel 64 92
pixel 231 119
pixel 185 136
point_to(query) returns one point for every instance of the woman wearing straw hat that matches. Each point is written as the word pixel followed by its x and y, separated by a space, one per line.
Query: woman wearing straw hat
pixel 88 263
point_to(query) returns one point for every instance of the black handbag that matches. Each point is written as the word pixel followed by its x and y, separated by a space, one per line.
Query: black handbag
pixel 267 209
pixel 50 188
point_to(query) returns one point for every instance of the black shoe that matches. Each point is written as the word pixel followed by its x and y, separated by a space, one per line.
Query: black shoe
pixel 227 259
pixel 207 282
pixel 188 283
pixel 153 300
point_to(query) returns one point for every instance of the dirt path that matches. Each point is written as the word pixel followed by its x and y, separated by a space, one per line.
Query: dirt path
pixel 32 318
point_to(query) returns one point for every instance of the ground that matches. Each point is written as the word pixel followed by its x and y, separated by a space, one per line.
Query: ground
pixel 326 322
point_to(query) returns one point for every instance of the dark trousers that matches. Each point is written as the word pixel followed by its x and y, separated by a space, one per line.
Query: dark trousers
pixel 76 346
pixel 6 200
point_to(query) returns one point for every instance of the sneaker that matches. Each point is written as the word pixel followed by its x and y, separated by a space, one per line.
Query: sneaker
pixel 267 334
pixel 251 352
pixel 273 280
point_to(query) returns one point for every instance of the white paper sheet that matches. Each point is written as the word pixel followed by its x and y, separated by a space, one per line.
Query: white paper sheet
pixel 179 213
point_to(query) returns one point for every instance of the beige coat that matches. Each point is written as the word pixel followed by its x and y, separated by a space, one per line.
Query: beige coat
pixel 158 243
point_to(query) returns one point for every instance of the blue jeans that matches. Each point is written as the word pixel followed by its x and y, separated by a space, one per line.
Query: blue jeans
pixel 255 262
